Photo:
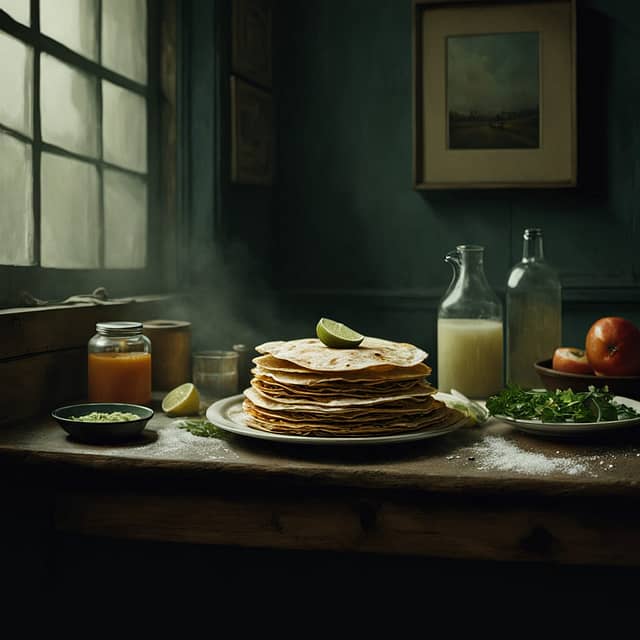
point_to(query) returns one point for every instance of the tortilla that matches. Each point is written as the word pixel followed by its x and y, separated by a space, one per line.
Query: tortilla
pixel 335 390
pixel 346 417
pixel 442 418
pixel 287 372
pixel 267 402
pixel 312 354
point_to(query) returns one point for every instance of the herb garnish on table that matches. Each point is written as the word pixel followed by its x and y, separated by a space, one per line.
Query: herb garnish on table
pixel 200 427
pixel 560 405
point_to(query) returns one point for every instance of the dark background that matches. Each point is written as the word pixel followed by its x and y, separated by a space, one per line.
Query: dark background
pixel 342 233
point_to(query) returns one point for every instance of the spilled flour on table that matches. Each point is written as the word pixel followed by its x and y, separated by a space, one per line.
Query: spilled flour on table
pixel 498 454
pixel 169 442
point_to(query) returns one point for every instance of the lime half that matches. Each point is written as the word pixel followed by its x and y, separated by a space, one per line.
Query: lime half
pixel 337 335
pixel 184 400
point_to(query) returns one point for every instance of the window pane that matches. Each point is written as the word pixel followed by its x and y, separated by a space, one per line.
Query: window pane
pixel 124 37
pixel 16 80
pixel 69 234
pixel 71 22
pixel 68 107
pixel 125 220
pixel 124 127
pixel 19 10
pixel 16 213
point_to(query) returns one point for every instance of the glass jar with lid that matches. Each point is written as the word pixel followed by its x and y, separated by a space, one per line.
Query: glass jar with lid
pixel 119 364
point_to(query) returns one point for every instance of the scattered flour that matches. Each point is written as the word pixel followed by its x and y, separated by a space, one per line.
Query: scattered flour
pixel 497 453
pixel 173 443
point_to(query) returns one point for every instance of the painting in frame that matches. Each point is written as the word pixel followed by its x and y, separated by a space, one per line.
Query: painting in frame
pixel 251 55
pixel 494 94
pixel 252 134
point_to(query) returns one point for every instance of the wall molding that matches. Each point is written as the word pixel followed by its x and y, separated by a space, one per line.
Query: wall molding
pixel 429 298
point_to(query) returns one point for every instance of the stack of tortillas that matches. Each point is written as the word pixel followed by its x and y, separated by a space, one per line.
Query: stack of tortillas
pixel 302 387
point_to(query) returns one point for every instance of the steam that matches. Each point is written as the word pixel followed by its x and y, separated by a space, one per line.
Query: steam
pixel 231 300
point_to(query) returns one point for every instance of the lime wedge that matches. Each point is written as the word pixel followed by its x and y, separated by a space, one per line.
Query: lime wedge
pixel 337 335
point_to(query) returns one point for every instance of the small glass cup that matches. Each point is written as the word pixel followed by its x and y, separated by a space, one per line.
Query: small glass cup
pixel 215 374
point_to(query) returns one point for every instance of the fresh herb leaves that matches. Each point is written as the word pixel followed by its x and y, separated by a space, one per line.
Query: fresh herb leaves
pixel 201 427
pixel 561 405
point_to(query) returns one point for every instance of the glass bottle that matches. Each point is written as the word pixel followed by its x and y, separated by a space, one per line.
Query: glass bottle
pixel 534 312
pixel 470 335
pixel 119 364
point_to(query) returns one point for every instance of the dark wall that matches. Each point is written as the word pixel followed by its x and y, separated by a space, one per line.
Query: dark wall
pixel 228 231
pixel 354 241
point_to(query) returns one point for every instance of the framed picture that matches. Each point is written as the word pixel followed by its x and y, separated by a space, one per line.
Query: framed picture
pixel 252 134
pixel 251 40
pixel 494 94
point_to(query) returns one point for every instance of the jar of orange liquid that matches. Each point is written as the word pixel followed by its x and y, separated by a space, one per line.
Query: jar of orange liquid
pixel 119 364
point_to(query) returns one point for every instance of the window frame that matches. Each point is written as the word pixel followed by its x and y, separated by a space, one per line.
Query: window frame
pixel 53 283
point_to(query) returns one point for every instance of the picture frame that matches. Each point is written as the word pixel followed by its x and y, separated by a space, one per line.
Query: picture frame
pixel 494 94
pixel 251 41
pixel 252 134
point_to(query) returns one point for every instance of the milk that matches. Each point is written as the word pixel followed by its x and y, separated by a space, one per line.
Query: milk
pixel 470 356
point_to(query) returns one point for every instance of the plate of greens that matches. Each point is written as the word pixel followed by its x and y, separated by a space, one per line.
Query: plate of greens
pixel 563 412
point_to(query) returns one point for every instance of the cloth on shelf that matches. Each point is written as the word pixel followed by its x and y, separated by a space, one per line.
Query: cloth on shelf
pixel 99 296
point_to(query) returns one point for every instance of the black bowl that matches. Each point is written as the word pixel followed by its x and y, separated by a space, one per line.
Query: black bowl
pixel 102 432
pixel 627 386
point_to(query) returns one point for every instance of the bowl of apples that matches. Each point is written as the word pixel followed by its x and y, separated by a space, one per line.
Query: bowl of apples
pixel 611 358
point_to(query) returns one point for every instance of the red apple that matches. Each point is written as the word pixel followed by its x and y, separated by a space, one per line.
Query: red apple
pixel 571 360
pixel 613 347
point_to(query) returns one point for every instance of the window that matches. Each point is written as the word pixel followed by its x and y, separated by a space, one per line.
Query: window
pixel 75 104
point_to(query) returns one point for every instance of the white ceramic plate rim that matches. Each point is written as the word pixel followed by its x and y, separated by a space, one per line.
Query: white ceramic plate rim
pixel 226 414
pixel 560 428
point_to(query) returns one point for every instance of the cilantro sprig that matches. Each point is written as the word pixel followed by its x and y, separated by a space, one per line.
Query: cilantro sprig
pixel 200 427
pixel 560 405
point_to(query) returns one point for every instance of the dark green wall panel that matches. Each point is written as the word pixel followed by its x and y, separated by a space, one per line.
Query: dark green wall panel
pixel 351 233
pixel 228 248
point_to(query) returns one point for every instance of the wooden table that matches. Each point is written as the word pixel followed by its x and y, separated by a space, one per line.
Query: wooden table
pixel 477 493
pixel 477 497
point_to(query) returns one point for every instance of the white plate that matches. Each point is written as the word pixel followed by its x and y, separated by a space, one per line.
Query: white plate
pixel 571 429
pixel 227 415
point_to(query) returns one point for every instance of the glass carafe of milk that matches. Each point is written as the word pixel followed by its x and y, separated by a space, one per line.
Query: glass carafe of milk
pixel 470 347
pixel 534 312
